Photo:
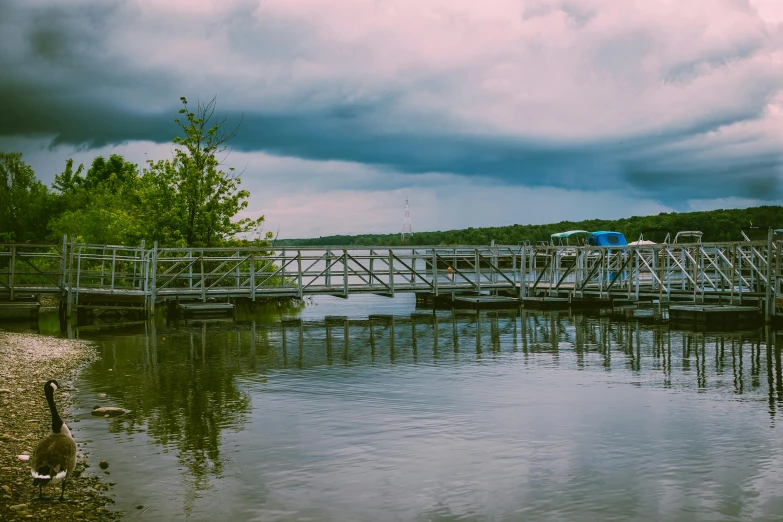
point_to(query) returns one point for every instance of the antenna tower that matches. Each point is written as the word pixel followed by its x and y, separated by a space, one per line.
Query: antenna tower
pixel 406 224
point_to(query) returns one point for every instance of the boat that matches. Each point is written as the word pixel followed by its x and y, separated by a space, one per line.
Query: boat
pixel 684 235
pixel 642 241
pixel 570 238
pixel 607 238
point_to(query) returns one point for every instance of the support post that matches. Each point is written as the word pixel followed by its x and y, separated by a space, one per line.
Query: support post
pixel 435 272
pixel 113 265
pixel 345 273
pixel 637 271
pixel 661 263
pixel 78 279
pixel 523 273
pixel 142 271
pixel 733 271
pixel 299 272
pixel 103 264
pixel 12 269
pixel 153 282
pixel 478 270
pixel 238 274
pixel 372 271
pixel 328 267
pixel 391 271
pixel 253 276
pixel 203 280
pixel 64 262
pixel 770 305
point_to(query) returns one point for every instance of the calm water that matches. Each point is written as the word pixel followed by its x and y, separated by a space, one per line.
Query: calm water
pixel 422 416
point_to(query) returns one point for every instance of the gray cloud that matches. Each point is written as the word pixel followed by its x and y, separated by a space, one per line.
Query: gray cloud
pixel 594 101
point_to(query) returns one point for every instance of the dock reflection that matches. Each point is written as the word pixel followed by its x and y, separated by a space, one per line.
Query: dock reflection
pixel 189 385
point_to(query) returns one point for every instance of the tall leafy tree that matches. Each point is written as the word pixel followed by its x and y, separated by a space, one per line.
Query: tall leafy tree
pixel 24 201
pixel 194 193
pixel 101 207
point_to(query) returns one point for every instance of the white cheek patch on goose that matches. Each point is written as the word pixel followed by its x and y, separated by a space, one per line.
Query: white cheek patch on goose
pixel 58 476
pixel 54 386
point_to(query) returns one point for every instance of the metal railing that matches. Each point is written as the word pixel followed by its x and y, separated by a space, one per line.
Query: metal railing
pixel 145 276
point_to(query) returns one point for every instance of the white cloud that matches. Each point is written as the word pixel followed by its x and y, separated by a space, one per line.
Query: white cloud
pixel 693 82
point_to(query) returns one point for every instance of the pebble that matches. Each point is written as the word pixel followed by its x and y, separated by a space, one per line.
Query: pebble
pixel 140 506
pixel 23 457
pixel 5 390
pixel 102 396
pixel 104 464
pixel 27 361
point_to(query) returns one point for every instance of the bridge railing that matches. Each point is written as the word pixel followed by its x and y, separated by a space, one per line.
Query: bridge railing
pixel 206 272
pixel 734 270
pixel 31 268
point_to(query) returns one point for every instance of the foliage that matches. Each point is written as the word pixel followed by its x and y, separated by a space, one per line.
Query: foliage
pixel 104 206
pixel 186 201
pixel 24 201
pixel 196 197
pixel 717 225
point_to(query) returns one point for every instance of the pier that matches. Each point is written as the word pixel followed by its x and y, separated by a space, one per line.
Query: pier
pixel 138 279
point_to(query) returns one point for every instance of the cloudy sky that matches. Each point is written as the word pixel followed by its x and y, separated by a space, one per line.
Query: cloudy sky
pixel 481 113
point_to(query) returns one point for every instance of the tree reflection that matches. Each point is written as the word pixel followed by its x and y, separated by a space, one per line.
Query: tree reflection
pixel 183 382
pixel 182 390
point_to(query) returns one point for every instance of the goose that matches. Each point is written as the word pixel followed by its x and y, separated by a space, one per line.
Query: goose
pixel 55 456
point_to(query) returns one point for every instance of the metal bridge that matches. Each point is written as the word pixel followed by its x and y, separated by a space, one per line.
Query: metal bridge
pixel 139 278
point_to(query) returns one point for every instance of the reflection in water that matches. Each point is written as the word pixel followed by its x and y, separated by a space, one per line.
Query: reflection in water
pixel 268 398
pixel 181 393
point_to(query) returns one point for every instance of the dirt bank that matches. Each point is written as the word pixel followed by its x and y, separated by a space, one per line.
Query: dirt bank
pixel 26 362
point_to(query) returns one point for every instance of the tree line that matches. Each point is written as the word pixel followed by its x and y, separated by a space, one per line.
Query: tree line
pixel 717 225
pixel 189 200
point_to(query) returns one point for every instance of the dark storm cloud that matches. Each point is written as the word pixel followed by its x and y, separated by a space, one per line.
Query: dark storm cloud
pixel 66 77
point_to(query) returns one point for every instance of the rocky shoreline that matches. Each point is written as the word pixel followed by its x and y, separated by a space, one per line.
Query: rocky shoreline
pixel 26 362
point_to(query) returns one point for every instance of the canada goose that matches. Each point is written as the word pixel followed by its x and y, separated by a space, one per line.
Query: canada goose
pixel 55 456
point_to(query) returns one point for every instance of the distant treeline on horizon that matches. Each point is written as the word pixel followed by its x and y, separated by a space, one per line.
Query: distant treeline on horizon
pixel 717 225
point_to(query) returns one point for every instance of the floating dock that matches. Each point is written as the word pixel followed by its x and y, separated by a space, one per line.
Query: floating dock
pixel 715 316
pixel 486 301
pixel 196 308
pixel 18 309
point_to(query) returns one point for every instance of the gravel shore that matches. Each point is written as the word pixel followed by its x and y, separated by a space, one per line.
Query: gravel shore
pixel 26 362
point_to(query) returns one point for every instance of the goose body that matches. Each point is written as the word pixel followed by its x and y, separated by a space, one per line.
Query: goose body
pixel 54 458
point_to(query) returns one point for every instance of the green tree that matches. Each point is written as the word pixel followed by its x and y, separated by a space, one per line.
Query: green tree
pixel 24 201
pixel 197 197
pixel 104 206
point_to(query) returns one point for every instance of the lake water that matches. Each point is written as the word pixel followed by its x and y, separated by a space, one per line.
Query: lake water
pixel 415 415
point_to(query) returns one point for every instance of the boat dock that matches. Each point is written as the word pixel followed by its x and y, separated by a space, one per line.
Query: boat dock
pixel 136 280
